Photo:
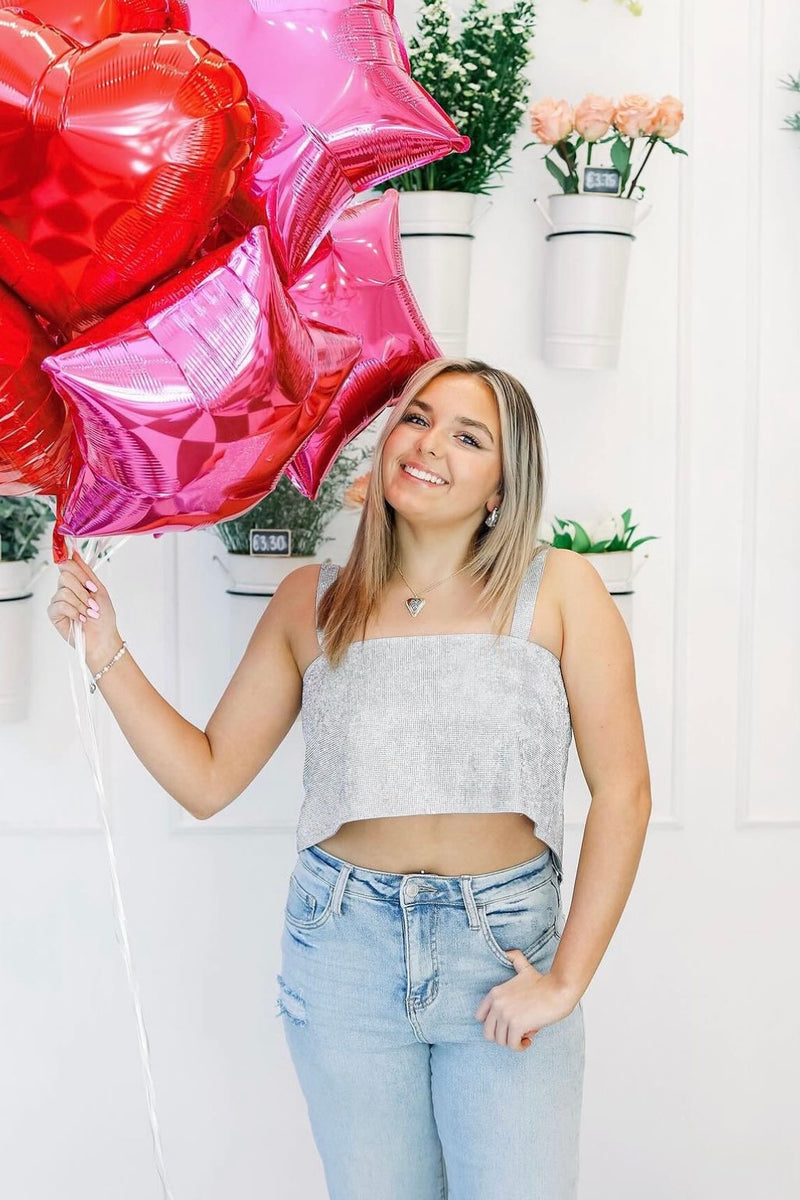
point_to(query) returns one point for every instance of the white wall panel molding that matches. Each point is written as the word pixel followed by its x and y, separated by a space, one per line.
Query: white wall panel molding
pixel 768 717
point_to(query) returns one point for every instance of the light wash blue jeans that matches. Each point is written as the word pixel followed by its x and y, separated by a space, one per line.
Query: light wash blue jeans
pixel 380 979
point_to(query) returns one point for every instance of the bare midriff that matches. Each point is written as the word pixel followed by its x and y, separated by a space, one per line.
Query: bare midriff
pixel 441 844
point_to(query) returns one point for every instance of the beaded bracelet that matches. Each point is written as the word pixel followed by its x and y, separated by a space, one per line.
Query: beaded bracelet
pixel 122 650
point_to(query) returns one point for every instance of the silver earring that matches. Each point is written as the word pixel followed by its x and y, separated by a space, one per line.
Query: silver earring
pixel 491 520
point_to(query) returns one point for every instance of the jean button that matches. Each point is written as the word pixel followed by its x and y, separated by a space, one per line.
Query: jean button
pixel 412 890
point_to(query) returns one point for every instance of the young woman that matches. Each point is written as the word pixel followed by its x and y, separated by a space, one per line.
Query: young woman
pixel 430 986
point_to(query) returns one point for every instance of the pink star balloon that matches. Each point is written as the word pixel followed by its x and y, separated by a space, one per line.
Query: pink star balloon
pixel 337 72
pixel 355 281
pixel 187 413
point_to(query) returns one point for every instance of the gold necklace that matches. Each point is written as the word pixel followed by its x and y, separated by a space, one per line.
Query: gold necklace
pixel 415 604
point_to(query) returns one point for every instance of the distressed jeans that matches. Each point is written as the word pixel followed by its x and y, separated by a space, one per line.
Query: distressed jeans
pixel 380 979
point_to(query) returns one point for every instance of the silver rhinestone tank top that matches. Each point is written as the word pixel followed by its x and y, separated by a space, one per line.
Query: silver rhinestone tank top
pixel 437 723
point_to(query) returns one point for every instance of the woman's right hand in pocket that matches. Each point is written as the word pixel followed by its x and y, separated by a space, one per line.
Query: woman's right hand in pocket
pixel 81 596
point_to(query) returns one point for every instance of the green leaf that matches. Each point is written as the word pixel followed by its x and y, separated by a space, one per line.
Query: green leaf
pixel 621 156
pixel 581 542
pixel 557 173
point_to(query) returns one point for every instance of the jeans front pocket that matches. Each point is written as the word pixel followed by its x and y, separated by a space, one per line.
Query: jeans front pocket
pixel 308 900
pixel 524 921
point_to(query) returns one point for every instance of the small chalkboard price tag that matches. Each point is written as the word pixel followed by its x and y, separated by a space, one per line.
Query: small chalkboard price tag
pixel 274 542
pixel 605 180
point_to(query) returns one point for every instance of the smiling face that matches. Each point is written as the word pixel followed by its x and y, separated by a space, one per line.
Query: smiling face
pixel 442 461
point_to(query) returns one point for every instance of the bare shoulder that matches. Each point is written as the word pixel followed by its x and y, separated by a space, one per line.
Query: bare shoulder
pixel 294 600
pixel 574 581
pixel 590 618
pixel 291 614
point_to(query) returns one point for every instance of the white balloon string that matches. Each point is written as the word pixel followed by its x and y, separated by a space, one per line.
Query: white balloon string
pixel 92 553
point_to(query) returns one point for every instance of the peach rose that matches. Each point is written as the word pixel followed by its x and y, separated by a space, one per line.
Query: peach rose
pixel 355 495
pixel 636 116
pixel 551 120
pixel 593 117
pixel 670 116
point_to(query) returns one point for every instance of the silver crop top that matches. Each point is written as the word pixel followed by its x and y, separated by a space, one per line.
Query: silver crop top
pixel 437 723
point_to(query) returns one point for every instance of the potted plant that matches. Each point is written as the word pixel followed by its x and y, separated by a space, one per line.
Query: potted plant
pixel 477 74
pixel 23 520
pixel 608 546
pixel 593 216
pixel 251 567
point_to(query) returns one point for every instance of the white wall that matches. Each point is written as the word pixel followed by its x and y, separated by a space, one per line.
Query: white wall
pixel 692 1045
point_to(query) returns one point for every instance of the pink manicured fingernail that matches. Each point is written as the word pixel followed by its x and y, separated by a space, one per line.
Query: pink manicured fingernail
pixel 82 617
pixel 95 615
pixel 91 586
pixel 93 605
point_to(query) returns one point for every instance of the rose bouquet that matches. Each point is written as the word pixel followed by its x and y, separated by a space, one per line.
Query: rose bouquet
pixel 632 126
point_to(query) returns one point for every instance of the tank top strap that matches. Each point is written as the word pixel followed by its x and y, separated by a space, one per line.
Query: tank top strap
pixel 327 573
pixel 526 598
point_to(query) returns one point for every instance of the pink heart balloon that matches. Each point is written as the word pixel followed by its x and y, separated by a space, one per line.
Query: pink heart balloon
pixel 355 281
pixel 188 413
pixel 337 72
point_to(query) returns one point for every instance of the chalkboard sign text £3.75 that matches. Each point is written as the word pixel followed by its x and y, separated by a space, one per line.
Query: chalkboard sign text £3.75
pixel 602 180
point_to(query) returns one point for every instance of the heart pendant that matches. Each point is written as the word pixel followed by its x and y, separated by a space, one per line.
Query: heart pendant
pixel 414 605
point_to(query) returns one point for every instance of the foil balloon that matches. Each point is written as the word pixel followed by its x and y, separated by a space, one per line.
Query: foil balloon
pixel 35 429
pixel 36 441
pixel 115 161
pixel 355 281
pixel 337 72
pixel 189 415
pixel 92 20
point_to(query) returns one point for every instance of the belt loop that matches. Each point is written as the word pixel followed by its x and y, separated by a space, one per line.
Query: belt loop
pixel 338 891
pixel 556 867
pixel 469 901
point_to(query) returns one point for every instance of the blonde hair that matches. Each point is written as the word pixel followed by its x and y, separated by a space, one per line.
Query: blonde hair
pixel 499 556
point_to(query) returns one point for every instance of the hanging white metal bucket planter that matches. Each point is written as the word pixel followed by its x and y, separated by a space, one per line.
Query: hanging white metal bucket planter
pixel 256 574
pixel 616 569
pixel 16 584
pixel 436 229
pixel 586 271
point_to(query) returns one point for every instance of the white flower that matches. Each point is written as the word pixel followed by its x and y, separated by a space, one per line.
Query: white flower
pixel 607 528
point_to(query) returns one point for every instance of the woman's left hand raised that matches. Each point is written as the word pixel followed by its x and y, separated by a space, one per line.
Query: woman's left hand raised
pixel 513 1012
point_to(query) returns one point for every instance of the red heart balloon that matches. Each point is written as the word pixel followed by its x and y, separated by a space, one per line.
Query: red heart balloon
pixel 114 160
pixel 91 21
pixel 35 429
pixel 37 446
